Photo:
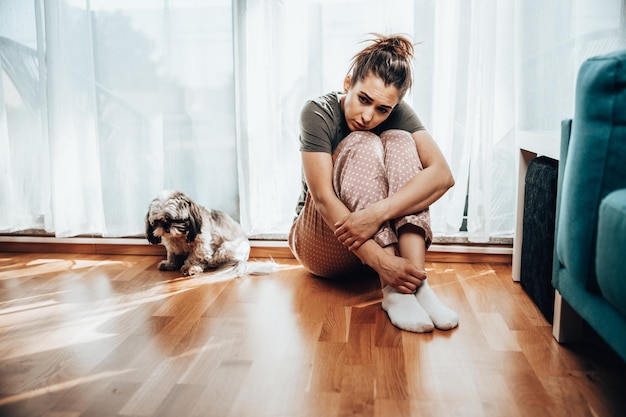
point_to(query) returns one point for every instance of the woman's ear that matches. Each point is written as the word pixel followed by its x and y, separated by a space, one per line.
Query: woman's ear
pixel 347 83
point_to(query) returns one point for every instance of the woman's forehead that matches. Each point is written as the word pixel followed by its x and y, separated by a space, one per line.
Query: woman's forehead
pixel 374 87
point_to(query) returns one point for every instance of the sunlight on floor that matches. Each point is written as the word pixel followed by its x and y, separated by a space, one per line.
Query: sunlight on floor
pixel 69 321
pixel 26 307
pixel 44 266
pixel 60 386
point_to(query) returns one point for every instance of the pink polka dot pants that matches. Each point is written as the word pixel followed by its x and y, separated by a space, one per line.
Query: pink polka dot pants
pixel 366 168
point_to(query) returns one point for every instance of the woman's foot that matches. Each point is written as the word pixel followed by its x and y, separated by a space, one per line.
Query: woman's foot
pixel 405 312
pixel 442 317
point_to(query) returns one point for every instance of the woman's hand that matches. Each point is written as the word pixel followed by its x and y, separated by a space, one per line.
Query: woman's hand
pixel 399 273
pixel 356 228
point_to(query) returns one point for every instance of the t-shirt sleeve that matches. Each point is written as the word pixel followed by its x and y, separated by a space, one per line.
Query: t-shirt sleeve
pixel 316 129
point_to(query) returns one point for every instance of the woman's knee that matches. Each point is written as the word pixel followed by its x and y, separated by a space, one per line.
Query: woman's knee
pixel 402 160
pixel 401 140
pixel 397 134
pixel 361 141
pixel 359 170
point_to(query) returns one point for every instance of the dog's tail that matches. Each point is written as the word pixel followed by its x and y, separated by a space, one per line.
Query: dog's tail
pixel 258 267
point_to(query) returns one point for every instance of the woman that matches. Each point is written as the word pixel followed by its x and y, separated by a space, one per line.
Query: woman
pixel 370 173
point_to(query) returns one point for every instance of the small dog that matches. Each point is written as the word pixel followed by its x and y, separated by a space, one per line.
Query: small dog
pixel 198 239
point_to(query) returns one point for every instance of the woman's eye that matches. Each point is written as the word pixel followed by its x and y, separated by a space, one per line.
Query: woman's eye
pixel 362 99
pixel 383 111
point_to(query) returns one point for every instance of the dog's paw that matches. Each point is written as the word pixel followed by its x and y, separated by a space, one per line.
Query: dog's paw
pixel 189 270
pixel 166 266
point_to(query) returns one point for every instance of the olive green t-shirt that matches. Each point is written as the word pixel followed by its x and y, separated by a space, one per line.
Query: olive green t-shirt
pixel 323 126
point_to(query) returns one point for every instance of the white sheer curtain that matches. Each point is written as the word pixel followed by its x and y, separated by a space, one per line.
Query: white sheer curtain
pixel 484 70
pixel 105 102
pixel 293 51
pixel 464 93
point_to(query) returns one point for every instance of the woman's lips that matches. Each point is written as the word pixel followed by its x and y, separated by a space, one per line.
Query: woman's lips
pixel 359 126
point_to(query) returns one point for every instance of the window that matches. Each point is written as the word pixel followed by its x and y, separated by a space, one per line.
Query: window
pixel 103 103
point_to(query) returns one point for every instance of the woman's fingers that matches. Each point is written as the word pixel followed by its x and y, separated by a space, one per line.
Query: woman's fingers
pixel 406 284
pixel 405 290
pixel 341 232
pixel 410 287
pixel 349 241
pixel 340 226
pixel 414 280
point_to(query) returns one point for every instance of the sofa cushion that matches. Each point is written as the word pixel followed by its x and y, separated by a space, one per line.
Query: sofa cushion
pixel 611 249
pixel 595 160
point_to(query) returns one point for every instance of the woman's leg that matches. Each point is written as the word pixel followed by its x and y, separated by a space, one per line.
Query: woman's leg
pixel 358 180
pixel 361 178
pixel 414 234
pixel 412 247
pixel 404 311
pixel 315 246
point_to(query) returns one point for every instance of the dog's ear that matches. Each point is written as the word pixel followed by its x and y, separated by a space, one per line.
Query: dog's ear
pixel 155 240
pixel 195 221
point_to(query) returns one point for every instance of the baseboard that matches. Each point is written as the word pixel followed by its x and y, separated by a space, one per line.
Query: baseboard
pixel 276 249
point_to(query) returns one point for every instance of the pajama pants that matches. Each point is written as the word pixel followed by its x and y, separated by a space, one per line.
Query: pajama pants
pixel 366 169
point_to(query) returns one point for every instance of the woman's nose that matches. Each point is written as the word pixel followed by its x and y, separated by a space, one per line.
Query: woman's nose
pixel 367 115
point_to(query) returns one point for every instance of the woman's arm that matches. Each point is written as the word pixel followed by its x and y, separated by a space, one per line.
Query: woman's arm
pixel 318 168
pixel 394 270
pixel 419 193
pixel 424 188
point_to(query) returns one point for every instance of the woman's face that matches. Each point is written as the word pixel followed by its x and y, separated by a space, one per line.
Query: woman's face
pixel 368 103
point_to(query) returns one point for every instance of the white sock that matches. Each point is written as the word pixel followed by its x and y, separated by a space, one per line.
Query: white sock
pixel 405 312
pixel 442 317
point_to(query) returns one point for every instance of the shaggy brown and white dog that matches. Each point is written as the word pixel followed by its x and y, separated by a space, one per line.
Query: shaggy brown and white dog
pixel 198 239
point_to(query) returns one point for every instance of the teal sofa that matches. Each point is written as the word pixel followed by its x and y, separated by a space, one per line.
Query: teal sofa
pixel 589 272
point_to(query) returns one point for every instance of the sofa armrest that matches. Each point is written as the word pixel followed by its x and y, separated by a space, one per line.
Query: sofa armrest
pixel 611 248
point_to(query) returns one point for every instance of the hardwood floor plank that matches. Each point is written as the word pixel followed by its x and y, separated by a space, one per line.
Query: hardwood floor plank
pixel 109 400
pixel 499 336
pixel 391 380
pixel 358 390
pixel 111 335
pixel 529 394
pixel 359 344
pixel 335 327
pixel 157 386
pixel 494 395
pixel 326 373
pixel 221 389
pixel 393 408
pixel 272 387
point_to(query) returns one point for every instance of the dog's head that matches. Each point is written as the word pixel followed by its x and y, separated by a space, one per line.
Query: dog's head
pixel 173 214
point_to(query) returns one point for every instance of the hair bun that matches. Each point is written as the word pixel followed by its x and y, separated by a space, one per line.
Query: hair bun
pixel 388 57
pixel 397 44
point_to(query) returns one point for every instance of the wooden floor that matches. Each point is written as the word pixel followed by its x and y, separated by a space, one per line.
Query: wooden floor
pixel 99 335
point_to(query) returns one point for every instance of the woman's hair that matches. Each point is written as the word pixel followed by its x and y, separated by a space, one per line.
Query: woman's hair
pixel 388 57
